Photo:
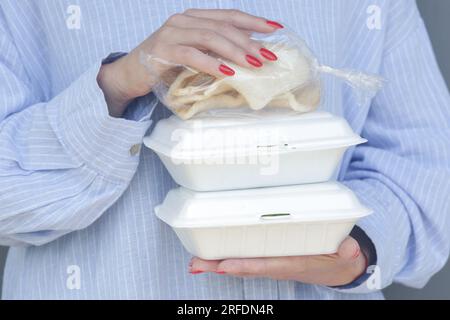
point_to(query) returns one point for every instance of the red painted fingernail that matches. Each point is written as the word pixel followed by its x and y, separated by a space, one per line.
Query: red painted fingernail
pixel 196 272
pixel 274 24
pixel 253 61
pixel 226 70
pixel 269 55
pixel 220 272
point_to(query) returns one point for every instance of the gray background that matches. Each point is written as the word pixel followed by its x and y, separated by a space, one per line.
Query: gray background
pixel 435 14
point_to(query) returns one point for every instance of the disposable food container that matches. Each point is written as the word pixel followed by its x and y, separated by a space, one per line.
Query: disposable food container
pixel 277 221
pixel 226 152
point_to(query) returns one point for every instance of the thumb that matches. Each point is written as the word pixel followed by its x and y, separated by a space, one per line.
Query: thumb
pixel 349 249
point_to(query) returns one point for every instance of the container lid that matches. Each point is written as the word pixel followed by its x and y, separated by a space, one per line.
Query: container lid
pixel 269 131
pixel 328 201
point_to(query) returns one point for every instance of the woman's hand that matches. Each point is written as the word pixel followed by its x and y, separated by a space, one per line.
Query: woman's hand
pixel 186 39
pixel 336 269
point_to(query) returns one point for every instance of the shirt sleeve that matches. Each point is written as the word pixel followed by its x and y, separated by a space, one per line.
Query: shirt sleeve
pixel 64 161
pixel 403 172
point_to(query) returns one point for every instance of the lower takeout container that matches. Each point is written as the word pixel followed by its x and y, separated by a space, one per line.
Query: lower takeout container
pixel 278 221
pixel 226 152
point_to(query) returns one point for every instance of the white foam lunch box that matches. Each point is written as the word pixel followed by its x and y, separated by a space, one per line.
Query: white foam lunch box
pixel 230 151
pixel 265 222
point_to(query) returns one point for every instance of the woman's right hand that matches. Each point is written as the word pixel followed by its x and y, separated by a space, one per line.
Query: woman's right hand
pixel 185 39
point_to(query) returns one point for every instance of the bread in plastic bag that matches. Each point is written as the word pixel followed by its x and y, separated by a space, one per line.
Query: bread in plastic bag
pixel 292 81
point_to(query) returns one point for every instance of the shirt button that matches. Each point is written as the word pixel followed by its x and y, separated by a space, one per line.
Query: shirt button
pixel 134 150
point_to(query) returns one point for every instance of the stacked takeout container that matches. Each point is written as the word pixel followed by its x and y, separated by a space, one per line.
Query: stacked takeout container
pixel 257 186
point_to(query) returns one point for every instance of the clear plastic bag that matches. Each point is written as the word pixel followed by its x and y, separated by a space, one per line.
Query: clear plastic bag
pixel 292 81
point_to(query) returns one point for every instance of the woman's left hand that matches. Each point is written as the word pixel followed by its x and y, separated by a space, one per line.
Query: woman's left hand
pixel 336 269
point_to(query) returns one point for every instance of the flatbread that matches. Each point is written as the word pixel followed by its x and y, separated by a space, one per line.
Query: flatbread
pixel 286 83
pixel 230 100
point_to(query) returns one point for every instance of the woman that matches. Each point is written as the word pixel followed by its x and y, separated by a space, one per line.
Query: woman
pixel 77 192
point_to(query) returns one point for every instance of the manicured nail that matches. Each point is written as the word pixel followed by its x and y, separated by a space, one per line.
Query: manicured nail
pixel 269 55
pixel 226 70
pixel 274 24
pixel 196 272
pixel 220 272
pixel 253 61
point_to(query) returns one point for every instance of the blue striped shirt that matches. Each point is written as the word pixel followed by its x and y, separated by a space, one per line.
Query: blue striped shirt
pixel 75 202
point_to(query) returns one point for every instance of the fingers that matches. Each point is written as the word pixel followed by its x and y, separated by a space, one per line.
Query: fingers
pixel 239 37
pixel 187 39
pixel 196 59
pixel 340 268
pixel 212 41
pixel 238 18
pixel 275 268
pixel 348 250
pixel 198 265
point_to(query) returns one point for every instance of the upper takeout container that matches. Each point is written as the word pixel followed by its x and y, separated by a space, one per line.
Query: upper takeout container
pixel 276 221
pixel 222 151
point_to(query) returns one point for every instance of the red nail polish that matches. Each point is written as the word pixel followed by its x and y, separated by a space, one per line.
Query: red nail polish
pixel 274 24
pixel 195 272
pixel 253 61
pixel 269 55
pixel 226 70
pixel 220 272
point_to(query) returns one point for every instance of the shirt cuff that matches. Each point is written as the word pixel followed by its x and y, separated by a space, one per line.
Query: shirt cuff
pixel 141 109
pixel 80 118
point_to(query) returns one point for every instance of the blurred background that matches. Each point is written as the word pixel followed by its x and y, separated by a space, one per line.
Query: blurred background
pixel 436 15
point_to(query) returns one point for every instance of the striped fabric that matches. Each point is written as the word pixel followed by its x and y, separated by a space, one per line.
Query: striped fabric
pixel 73 198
